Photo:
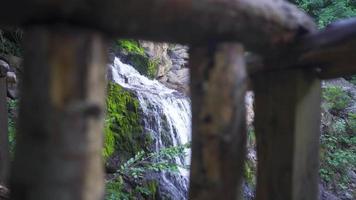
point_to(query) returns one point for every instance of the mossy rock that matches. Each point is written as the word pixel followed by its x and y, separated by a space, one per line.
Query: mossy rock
pixel 132 53
pixel 123 131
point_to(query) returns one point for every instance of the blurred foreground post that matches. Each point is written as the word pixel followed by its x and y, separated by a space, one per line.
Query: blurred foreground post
pixel 218 87
pixel 58 153
pixel 287 124
pixel 4 141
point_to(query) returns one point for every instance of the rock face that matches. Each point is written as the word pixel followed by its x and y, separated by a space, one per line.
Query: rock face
pixel 326 195
pixel 13 72
pixel 172 64
pixel 4 193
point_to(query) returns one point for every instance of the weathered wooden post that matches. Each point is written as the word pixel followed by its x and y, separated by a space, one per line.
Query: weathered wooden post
pixel 287 124
pixel 4 142
pixel 218 87
pixel 58 153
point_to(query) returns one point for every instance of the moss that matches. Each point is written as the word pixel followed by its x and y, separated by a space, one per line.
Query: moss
pixel 137 58
pixel 12 110
pixel 131 46
pixel 144 65
pixel 250 173
pixel 123 129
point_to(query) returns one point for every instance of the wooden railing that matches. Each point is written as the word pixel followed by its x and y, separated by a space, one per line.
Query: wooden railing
pixel 58 152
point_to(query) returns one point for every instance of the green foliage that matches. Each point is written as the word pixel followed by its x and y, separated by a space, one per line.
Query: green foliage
pixel 327 11
pixel 352 122
pixel 251 137
pixel 338 153
pixel 10 42
pixel 336 99
pixel 250 173
pixel 163 160
pixel 131 46
pixel 117 189
pixel 137 58
pixel 123 130
pixel 109 141
pixel 132 171
pixel 353 79
pixel 12 107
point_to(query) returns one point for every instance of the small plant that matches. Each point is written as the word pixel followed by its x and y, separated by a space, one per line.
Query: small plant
pixel 335 99
pixel 128 182
pixel 352 122
pixel 163 160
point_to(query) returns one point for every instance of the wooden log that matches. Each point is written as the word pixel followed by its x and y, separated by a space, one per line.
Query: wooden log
pixel 218 87
pixel 59 144
pixel 287 125
pixel 4 141
pixel 330 53
pixel 261 25
pixel 332 50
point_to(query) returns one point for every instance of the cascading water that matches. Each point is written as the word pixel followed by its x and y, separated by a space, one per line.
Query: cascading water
pixel 166 115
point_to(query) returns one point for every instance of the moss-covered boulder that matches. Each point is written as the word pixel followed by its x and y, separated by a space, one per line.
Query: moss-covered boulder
pixel 124 134
pixel 132 53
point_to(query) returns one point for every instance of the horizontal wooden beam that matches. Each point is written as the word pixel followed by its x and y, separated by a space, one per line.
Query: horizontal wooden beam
pixel 330 53
pixel 332 50
pixel 261 25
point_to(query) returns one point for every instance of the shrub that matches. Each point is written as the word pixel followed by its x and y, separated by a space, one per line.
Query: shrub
pixel 133 170
pixel 335 99
pixel 338 153
pixel 352 122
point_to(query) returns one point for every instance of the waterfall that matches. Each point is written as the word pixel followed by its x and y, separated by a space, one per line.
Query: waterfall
pixel 166 115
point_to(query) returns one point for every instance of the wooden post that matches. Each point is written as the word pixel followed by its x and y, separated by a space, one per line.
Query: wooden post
pixel 58 153
pixel 4 141
pixel 218 87
pixel 287 124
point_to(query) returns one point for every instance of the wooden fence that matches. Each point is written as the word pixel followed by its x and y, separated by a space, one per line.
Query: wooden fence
pixel 58 152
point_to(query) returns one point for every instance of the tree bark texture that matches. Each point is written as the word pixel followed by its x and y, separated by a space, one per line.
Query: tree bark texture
pixel 261 25
pixel 218 87
pixel 287 125
pixel 59 144
pixel 4 141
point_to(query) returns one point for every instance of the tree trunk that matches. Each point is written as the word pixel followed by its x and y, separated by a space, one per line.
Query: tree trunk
pixel 58 154
pixel 4 141
pixel 287 125
pixel 218 87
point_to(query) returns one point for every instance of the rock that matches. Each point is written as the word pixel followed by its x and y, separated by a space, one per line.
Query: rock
pixel 179 56
pixel 4 68
pixel 352 175
pixel 326 195
pixel 4 193
pixel 159 53
pixel 348 196
pixel 177 79
pixel 11 80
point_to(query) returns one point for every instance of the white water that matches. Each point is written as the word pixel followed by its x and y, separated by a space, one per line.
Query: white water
pixel 167 116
